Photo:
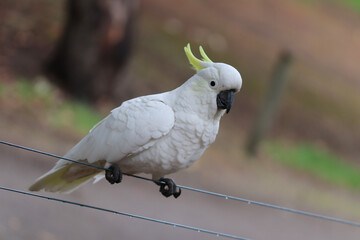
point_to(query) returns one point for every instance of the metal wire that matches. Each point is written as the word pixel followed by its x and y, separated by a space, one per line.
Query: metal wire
pixel 51 155
pixel 74 161
pixel 199 190
pixel 125 214
pixel 273 206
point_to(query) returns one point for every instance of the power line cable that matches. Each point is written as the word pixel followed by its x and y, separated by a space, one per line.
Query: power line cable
pixel 125 214
pixel 74 161
pixel 273 206
pixel 198 190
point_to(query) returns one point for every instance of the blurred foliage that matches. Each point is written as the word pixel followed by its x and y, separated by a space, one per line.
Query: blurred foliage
pixel 316 161
pixel 47 105
pixel 77 115
pixel 352 4
pixel 26 90
pixel 2 89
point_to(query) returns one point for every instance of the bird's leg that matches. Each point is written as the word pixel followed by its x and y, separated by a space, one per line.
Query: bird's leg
pixel 113 174
pixel 169 188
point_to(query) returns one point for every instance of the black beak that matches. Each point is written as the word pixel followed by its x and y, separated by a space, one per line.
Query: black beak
pixel 225 99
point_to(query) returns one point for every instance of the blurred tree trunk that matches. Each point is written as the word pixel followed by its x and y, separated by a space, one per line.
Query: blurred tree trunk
pixel 271 102
pixel 91 55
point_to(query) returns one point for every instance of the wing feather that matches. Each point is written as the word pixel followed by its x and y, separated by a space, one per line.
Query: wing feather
pixel 130 128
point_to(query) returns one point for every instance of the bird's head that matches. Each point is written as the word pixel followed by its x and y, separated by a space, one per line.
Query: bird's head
pixel 218 79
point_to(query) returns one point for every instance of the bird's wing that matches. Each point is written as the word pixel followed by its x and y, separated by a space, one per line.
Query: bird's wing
pixel 130 128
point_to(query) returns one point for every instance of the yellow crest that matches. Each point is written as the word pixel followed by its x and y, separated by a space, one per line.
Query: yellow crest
pixel 195 62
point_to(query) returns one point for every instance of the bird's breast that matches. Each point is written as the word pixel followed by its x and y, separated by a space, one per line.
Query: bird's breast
pixel 184 144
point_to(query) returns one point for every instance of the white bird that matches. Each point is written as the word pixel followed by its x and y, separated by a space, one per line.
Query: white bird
pixel 156 134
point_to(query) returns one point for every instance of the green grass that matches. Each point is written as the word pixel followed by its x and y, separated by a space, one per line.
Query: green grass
pixel 28 91
pixel 2 89
pixel 74 115
pixel 354 4
pixel 316 161
pixel 51 107
pixel 25 89
pixel 351 4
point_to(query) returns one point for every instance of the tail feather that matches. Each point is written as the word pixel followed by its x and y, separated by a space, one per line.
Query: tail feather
pixel 64 179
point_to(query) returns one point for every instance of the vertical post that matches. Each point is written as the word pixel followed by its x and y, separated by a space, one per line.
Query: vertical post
pixel 270 104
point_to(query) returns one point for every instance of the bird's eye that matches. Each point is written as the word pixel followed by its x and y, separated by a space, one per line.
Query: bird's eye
pixel 212 83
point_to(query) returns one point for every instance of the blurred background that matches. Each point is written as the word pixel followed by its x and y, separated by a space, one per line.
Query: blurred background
pixel 291 139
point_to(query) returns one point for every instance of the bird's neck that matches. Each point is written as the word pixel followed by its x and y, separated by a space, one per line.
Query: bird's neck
pixel 195 98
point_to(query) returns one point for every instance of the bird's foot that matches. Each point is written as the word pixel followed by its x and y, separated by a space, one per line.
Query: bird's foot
pixel 169 188
pixel 113 174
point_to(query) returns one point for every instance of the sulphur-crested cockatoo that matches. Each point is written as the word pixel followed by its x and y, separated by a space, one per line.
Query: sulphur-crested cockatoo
pixel 157 134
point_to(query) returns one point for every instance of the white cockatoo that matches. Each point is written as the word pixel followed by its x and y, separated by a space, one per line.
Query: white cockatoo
pixel 157 134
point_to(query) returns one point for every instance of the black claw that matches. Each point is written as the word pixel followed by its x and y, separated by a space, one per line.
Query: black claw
pixel 177 193
pixel 169 188
pixel 113 174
